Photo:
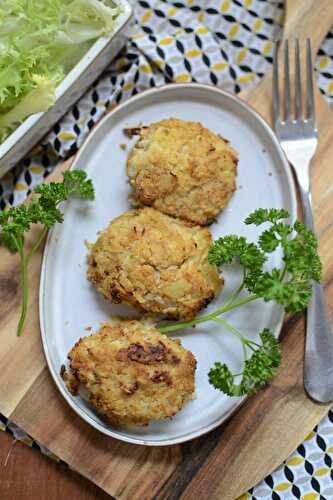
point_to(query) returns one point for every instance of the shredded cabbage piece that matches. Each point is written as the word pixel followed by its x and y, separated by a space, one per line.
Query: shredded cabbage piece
pixel 40 42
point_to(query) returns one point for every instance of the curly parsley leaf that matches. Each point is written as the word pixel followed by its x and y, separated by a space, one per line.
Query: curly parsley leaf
pixel 75 182
pixel 258 370
pixel 262 215
pixel 292 285
pixel 301 254
pixel 229 248
pixel 221 378
pixel 13 224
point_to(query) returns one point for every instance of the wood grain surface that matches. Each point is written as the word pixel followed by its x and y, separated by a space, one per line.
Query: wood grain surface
pixel 234 457
pixel 26 474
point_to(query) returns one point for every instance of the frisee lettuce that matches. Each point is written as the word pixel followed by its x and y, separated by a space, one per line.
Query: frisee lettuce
pixel 40 42
pixel 38 99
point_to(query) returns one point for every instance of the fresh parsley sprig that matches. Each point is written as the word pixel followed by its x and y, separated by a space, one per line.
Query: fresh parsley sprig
pixel 43 209
pixel 290 286
pixel 258 369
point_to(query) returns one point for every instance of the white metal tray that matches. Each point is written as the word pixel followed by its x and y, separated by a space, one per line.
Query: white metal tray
pixel 22 140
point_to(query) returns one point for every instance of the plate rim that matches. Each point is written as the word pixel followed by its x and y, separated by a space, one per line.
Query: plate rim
pixel 42 316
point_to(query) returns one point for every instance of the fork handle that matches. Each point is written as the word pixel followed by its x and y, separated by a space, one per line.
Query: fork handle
pixel 318 362
pixel 307 206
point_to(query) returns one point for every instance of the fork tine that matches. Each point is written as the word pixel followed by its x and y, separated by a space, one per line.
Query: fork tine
pixel 287 99
pixel 309 79
pixel 298 85
pixel 275 90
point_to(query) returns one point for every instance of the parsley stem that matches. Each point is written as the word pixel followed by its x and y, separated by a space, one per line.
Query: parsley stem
pixel 234 331
pixel 206 317
pixel 24 283
pixel 234 305
pixel 229 327
pixel 283 272
pixel 24 278
pixel 234 295
pixel 36 244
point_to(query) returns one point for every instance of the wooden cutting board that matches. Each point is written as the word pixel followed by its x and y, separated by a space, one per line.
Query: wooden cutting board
pixel 234 457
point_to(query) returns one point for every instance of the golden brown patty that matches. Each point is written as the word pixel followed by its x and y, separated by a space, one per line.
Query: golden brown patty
pixel 132 373
pixel 155 263
pixel 182 169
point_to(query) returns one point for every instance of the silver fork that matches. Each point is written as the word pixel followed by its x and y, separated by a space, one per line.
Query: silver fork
pixel 297 134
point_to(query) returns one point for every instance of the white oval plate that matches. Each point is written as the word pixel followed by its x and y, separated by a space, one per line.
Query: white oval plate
pixel 68 302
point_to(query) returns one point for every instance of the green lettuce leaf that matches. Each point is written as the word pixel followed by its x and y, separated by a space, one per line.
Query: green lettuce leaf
pixel 39 99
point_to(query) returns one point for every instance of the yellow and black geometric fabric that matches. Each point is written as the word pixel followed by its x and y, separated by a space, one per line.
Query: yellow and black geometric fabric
pixel 227 43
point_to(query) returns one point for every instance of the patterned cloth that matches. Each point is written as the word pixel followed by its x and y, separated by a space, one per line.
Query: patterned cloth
pixel 224 42
pixel 227 43
pixel 324 68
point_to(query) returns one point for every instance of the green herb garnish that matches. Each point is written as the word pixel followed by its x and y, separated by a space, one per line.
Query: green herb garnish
pixel 43 209
pixel 290 286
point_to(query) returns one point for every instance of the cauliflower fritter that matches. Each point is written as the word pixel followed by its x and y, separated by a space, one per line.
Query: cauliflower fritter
pixel 131 372
pixel 155 263
pixel 182 169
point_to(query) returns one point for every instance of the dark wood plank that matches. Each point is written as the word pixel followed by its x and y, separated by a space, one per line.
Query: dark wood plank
pixel 26 474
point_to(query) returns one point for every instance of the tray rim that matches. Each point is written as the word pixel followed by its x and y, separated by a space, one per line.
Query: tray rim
pixel 293 212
